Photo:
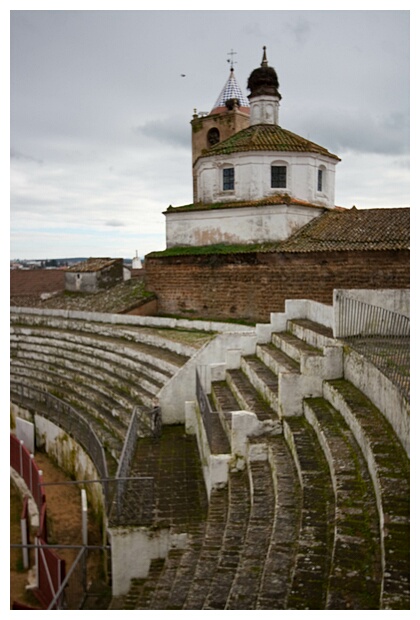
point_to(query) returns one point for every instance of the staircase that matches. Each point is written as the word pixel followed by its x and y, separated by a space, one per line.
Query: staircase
pixel 319 517
pixel 316 513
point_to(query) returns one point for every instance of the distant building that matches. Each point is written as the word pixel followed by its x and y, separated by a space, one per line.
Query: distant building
pixel 94 274
pixel 136 262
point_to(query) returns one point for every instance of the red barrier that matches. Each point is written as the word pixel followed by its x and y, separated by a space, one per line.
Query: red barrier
pixel 50 567
pixel 51 573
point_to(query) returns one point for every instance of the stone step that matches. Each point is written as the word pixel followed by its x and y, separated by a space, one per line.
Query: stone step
pixel 390 471
pixel 276 360
pixel 233 542
pixel 312 333
pixel 84 399
pixel 356 573
pixel 183 341
pixel 309 585
pixel 246 585
pixel 176 595
pixel 293 346
pixel 166 579
pixel 139 376
pixel 173 462
pixel 88 386
pixel 247 396
pixel 167 362
pixel 147 339
pixel 112 445
pixel 281 555
pixel 129 384
pixel 264 380
pixel 142 590
pixel 207 562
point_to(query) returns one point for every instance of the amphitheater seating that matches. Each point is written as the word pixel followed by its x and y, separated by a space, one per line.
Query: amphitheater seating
pixel 102 370
pixel 319 517
pixel 323 521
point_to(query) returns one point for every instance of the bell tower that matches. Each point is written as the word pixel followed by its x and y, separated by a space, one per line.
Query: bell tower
pixel 229 115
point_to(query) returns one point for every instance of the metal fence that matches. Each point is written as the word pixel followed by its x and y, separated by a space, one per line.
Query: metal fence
pixel 206 411
pixel 84 586
pixel 70 420
pixel 381 335
pixel 133 497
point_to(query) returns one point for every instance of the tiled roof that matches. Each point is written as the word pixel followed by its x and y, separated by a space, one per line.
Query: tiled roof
pixel 93 264
pixel 266 137
pixel 336 230
pixel 231 90
pixel 277 199
pixel 353 229
pixel 36 281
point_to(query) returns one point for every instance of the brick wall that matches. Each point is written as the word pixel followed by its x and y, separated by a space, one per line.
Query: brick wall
pixel 250 286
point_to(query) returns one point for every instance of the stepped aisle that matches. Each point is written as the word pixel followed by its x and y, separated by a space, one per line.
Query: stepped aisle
pixel 246 585
pixel 390 472
pixel 281 556
pixel 355 579
pixel 315 542
pixel 209 554
pixel 233 542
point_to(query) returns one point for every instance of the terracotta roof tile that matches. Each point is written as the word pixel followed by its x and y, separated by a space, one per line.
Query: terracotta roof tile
pixel 353 229
pixel 36 281
pixel 93 264
pixel 276 199
pixel 267 138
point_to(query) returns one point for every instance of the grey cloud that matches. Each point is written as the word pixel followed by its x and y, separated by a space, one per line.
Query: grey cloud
pixel 358 131
pixel 114 223
pixel 172 131
pixel 14 154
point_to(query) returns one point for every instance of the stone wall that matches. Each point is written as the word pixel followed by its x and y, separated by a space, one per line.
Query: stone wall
pixel 250 286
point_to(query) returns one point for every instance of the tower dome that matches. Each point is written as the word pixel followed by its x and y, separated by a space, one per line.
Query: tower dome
pixel 264 97
pixel 264 80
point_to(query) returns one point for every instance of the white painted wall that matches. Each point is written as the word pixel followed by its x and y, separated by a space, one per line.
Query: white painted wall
pixel 383 394
pixel 236 225
pixel 253 176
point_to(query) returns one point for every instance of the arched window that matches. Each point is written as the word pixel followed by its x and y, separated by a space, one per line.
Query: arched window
pixel 213 136
pixel 320 181
pixel 278 175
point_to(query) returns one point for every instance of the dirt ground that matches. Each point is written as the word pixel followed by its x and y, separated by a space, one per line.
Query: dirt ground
pixel 64 521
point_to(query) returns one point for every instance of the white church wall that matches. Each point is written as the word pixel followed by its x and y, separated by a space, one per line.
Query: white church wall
pixel 253 177
pixel 236 225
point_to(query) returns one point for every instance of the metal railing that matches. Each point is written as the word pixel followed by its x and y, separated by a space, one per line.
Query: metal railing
pixel 70 420
pixel 206 411
pixel 381 335
pixel 86 580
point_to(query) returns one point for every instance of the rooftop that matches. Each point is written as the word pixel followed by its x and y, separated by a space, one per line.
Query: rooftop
pixel 277 199
pixel 266 137
pixel 93 264
pixel 231 90
pixel 353 229
pixel 336 230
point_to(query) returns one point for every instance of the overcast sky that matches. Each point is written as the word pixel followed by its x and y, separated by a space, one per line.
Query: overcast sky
pixel 100 139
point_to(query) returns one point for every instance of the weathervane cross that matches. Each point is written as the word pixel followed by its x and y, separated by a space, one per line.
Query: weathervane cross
pixel 230 60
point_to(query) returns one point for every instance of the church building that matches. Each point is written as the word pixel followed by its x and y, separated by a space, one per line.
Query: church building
pixel 253 181
pixel 263 226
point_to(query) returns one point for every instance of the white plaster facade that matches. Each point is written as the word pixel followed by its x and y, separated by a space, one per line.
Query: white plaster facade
pixel 252 177
pixel 239 225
